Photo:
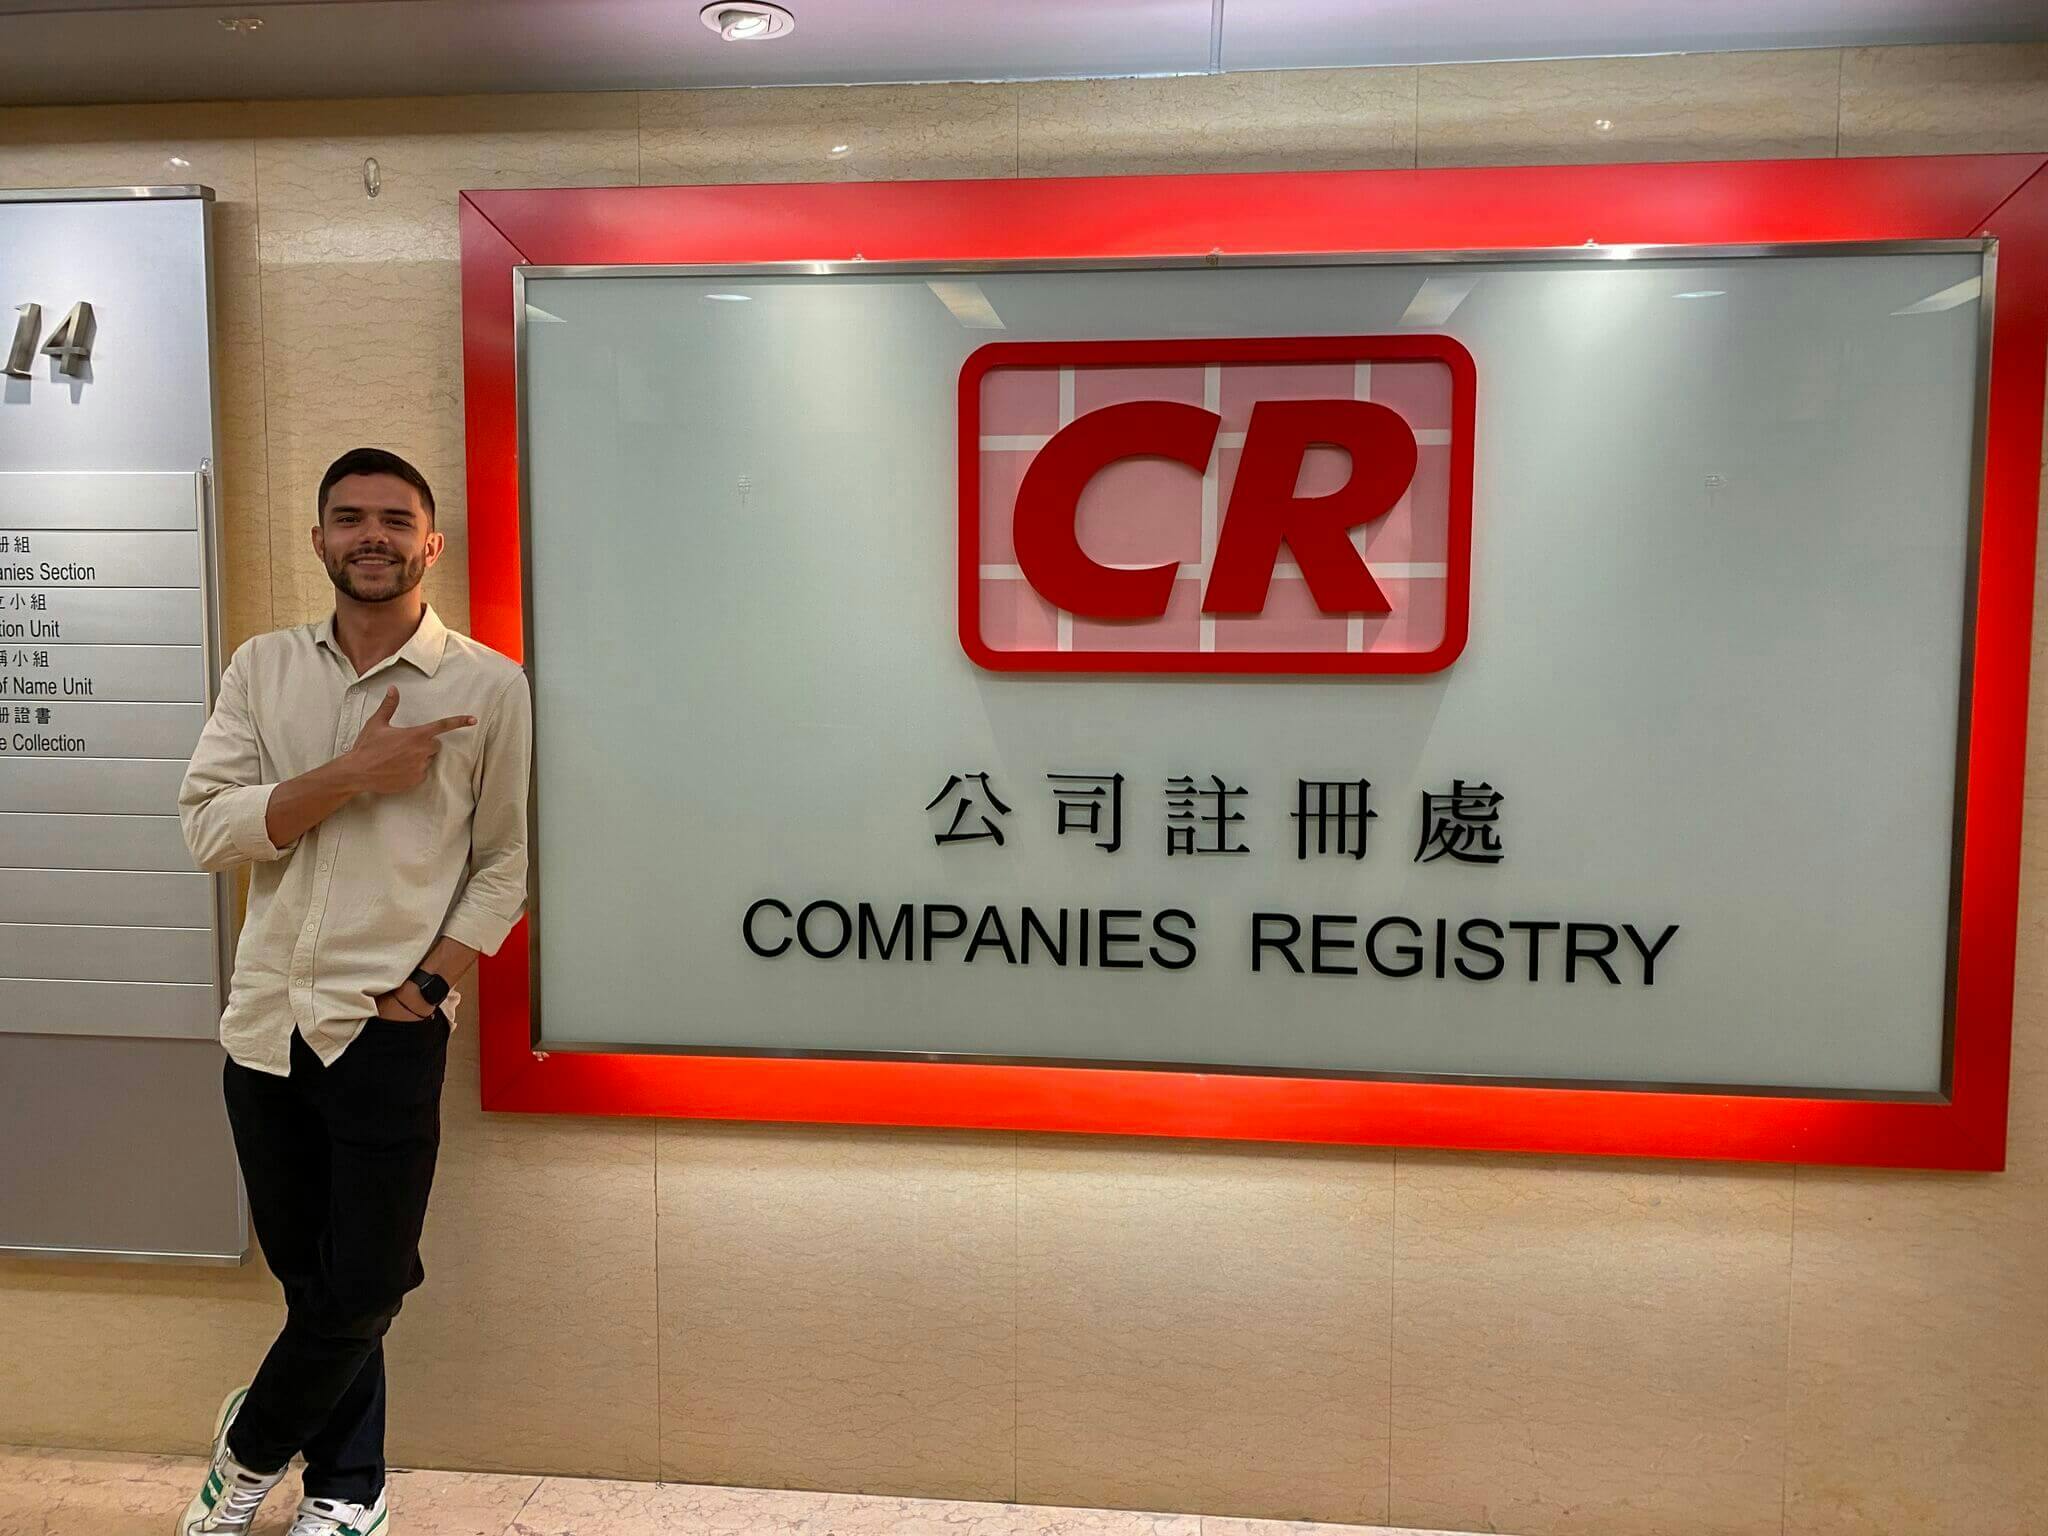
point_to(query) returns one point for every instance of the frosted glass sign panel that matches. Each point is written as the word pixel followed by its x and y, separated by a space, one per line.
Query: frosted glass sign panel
pixel 1546 670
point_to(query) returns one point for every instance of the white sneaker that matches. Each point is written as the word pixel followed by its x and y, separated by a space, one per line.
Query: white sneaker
pixel 226 1503
pixel 333 1517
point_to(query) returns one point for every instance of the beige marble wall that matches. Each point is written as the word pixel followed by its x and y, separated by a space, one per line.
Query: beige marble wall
pixel 1424 1339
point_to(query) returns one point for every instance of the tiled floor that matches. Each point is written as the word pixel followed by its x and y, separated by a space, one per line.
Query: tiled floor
pixel 98 1493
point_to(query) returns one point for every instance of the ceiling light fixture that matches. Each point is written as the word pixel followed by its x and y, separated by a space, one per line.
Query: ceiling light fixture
pixel 838 149
pixel 747 21
pixel 1703 293
pixel 730 298
pixel 241 23
pixel 1603 125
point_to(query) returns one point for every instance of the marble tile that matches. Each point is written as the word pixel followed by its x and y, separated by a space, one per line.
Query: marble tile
pixel 310 155
pixel 1204 1326
pixel 362 354
pixel 203 144
pixel 531 1347
pixel 88 1493
pixel 838 1308
pixel 1919 1366
pixel 1919 1371
pixel 134 1356
pixel 1213 1526
pixel 100 1493
pixel 1702 106
pixel 362 298
pixel 457 1503
pixel 564 1508
pixel 573 1507
pixel 2027 1131
pixel 890 133
pixel 1589 1346
pixel 1270 120
pixel 846 1516
pixel 2037 675
pixel 243 475
pixel 1968 100
pixel 207 145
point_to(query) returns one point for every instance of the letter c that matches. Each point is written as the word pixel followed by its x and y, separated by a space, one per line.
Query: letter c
pixel 1048 546
pixel 747 928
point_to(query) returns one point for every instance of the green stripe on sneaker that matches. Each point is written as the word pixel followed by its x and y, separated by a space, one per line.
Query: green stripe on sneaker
pixel 349 1530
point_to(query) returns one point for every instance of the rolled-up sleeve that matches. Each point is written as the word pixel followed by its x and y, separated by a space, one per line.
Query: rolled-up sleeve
pixel 495 894
pixel 223 799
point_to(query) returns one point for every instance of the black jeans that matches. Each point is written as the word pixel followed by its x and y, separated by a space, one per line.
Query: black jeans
pixel 338 1162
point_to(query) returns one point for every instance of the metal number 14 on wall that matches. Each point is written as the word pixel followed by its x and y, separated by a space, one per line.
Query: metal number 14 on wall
pixel 70 343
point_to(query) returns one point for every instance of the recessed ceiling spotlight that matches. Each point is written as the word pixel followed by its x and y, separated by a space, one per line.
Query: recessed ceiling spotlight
pixel 1603 125
pixel 837 150
pixel 241 23
pixel 747 21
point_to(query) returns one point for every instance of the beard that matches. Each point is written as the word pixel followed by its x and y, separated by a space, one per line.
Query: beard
pixel 377 584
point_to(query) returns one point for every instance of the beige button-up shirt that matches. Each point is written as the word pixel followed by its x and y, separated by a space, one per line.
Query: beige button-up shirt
pixel 346 912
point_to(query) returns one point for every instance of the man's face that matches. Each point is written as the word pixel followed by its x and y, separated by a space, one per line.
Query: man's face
pixel 375 537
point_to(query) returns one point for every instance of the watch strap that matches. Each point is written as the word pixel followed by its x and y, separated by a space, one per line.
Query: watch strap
pixel 433 988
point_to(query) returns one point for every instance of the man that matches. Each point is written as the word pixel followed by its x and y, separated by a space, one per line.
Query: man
pixel 372 768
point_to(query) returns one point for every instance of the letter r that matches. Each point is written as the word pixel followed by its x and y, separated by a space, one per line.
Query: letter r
pixel 1265 512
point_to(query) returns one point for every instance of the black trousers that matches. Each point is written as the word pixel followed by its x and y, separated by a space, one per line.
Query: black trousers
pixel 338 1162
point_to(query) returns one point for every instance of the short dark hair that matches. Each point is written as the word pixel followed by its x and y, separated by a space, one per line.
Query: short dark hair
pixel 375 461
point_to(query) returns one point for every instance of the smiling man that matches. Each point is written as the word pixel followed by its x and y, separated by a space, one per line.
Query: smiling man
pixel 372 768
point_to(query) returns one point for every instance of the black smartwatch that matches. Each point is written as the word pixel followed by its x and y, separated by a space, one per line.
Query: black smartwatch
pixel 433 988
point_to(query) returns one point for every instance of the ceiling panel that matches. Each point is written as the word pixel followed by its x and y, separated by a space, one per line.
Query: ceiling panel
pixel 406 47
pixel 1286 34
pixel 116 50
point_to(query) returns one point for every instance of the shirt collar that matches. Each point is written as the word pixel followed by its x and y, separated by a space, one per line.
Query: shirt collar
pixel 424 649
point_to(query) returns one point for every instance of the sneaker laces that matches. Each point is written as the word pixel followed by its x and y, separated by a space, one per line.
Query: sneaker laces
pixel 245 1490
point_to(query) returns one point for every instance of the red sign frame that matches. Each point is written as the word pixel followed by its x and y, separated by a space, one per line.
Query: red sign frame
pixel 1771 203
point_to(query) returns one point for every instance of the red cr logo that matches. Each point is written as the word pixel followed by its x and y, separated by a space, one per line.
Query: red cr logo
pixel 1264 509
pixel 1378 533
